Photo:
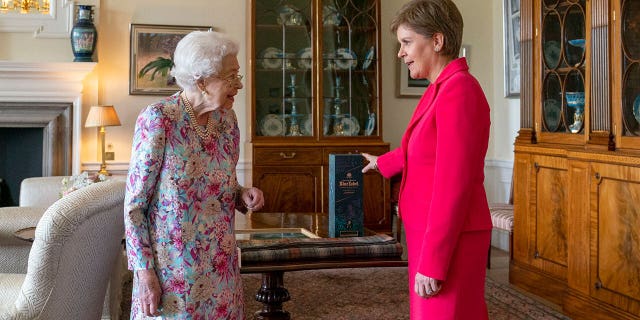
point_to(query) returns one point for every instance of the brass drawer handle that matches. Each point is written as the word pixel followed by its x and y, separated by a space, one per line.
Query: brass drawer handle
pixel 285 156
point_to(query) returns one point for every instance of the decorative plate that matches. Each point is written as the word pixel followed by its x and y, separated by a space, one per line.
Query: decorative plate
pixel 577 43
pixel 271 125
pixel 368 58
pixel 307 127
pixel 325 124
pixel 552 114
pixel 371 124
pixel 304 58
pixel 552 53
pixel 636 108
pixel 271 58
pixel 345 59
pixel 350 126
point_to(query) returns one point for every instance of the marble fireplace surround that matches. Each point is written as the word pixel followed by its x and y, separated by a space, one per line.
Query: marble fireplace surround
pixel 49 96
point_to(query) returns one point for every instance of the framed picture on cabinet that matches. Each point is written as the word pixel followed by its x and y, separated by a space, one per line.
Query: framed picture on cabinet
pixel 151 54
pixel 511 48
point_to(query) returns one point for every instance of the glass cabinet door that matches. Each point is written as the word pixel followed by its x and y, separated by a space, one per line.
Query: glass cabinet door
pixel 563 65
pixel 630 36
pixel 316 68
pixel 283 68
pixel 349 68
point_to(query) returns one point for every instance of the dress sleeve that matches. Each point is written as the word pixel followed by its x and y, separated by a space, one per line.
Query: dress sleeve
pixel 146 162
pixel 459 164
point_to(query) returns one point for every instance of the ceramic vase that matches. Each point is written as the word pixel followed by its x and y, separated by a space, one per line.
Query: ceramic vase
pixel 84 35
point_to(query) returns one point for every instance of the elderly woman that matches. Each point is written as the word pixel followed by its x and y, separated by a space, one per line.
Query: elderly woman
pixel 441 158
pixel 182 190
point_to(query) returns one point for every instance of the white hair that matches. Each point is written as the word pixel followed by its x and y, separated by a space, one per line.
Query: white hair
pixel 199 55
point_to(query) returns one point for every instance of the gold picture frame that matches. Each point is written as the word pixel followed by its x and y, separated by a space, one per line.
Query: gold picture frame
pixel 151 54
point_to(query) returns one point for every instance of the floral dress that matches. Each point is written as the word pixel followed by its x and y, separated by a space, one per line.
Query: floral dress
pixel 179 212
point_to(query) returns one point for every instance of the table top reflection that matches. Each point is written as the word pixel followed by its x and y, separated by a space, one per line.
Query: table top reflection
pixel 316 223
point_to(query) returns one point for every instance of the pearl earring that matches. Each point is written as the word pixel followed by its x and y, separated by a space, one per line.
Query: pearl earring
pixel 204 92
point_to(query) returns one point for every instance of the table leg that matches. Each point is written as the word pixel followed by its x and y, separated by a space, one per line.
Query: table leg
pixel 272 294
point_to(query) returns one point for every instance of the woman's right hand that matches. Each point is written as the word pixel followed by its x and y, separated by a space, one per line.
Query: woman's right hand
pixel 149 292
pixel 373 162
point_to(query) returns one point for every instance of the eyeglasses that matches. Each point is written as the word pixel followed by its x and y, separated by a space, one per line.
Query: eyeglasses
pixel 233 79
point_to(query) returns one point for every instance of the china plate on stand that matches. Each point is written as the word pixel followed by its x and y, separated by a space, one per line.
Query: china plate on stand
pixel 368 58
pixel 271 125
pixel 304 58
pixel 350 126
pixel 271 58
pixel 345 59
pixel 636 108
pixel 371 124
pixel 307 127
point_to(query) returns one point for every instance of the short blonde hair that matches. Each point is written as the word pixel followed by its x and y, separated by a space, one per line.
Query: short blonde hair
pixel 427 17
pixel 199 55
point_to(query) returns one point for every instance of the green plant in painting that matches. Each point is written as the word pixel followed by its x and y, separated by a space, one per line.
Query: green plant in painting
pixel 161 65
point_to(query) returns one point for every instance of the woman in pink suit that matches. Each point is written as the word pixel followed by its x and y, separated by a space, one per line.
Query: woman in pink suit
pixel 442 200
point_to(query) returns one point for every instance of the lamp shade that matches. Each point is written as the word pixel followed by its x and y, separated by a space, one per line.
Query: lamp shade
pixel 102 116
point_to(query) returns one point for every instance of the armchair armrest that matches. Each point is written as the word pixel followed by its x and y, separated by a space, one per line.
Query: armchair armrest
pixel 40 191
pixel 14 253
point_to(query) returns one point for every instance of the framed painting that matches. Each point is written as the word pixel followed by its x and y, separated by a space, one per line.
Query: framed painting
pixel 511 48
pixel 151 57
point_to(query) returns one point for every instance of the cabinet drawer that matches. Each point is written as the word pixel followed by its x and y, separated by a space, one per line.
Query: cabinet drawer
pixel 374 150
pixel 287 156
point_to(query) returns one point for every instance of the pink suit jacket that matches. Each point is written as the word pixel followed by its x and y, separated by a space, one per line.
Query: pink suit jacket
pixel 441 159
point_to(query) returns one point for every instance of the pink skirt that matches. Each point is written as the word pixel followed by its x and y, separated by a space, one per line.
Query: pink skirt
pixel 462 293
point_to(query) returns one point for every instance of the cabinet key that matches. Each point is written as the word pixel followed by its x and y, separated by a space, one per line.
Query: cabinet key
pixel 285 156
pixel 598 285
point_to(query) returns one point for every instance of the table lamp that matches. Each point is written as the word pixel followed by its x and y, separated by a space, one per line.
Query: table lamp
pixel 102 116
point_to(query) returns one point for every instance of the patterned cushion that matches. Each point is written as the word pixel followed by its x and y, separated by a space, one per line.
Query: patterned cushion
pixel 502 216
pixel 319 248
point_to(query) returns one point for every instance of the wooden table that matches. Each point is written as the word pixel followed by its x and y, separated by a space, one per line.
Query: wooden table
pixel 272 293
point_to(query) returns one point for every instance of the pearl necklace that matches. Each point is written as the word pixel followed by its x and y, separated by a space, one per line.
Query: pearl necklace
pixel 202 133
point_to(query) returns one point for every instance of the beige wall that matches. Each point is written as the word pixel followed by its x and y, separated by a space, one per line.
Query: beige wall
pixel 483 34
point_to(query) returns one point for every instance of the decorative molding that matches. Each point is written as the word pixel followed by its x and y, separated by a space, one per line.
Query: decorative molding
pixel 33 82
pixel 55 121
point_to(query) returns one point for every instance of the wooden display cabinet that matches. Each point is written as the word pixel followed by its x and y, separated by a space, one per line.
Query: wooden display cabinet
pixel 315 80
pixel 577 157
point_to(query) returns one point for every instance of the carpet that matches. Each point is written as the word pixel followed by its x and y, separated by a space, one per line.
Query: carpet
pixel 377 293
pixel 368 293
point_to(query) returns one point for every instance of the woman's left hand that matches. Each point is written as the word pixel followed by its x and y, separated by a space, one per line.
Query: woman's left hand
pixel 426 287
pixel 252 198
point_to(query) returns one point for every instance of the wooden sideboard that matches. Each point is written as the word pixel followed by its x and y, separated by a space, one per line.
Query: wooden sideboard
pixel 577 157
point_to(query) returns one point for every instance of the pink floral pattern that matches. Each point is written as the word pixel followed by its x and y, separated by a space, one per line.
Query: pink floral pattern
pixel 179 212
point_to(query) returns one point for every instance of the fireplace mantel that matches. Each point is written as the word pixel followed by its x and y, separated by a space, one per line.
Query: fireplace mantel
pixel 50 82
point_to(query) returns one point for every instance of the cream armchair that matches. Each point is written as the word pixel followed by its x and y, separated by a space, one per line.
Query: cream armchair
pixel 36 195
pixel 76 250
